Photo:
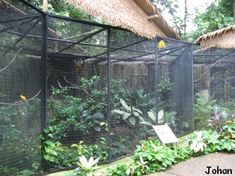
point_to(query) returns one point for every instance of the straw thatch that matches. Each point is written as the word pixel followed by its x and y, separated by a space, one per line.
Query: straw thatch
pixel 222 38
pixel 129 14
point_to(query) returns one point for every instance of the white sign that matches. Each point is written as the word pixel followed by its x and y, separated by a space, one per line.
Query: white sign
pixel 165 134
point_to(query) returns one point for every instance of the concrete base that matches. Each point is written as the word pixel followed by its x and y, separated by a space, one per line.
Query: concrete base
pixel 198 166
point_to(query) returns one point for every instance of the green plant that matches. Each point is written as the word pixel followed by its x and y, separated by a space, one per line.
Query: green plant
pixel 99 150
pixel 151 156
pixel 197 144
pixel 26 172
pixel 228 134
pixel 120 170
pixel 59 155
pixel 183 152
pixel 203 110
pixel 220 117
pixel 165 88
pixel 141 100
pixel 86 114
pixel 18 136
pixel 153 119
pixel 218 120
pixel 129 114
pixel 227 145
pixel 122 145
pixel 156 156
pixel 6 170
pixel 229 130
pixel 210 141
pixel 204 142
pixel 83 115
pixel 138 167
pixel 135 116
pixel 86 167
pixel 55 153
pixel 137 98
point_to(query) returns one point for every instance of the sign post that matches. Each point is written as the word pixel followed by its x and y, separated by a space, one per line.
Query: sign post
pixel 165 134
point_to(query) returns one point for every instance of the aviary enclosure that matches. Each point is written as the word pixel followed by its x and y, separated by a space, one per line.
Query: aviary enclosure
pixel 71 87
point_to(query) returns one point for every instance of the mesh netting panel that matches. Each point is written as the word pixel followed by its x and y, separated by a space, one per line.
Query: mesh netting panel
pixel 216 74
pixel 214 84
pixel 88 63
pixel 11 9
pixel 77 117
pixel 131 93
pixel 81 40
pixel 77 110
pixel 20 124
pixel 175 86
pixel 183 91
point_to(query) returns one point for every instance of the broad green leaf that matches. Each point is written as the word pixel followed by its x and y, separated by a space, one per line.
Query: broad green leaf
pixel 103 124
pixel 126 115
pixel 97 128
pixel 146 123
pixel 119 111
pixel 137 110
pixel 141 119
pixel 132 121
pixel 136 114
pixel 152 115
pixel 160 116
pixel 124 104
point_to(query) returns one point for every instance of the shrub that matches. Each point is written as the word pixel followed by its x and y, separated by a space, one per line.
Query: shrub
pixel 151 156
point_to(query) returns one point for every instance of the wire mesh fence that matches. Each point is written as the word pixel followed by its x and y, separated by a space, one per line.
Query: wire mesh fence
pixel 100 92
pixel 20 124
pixel 214 85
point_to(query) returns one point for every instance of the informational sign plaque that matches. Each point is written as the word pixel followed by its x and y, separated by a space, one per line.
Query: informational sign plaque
pixel 165 134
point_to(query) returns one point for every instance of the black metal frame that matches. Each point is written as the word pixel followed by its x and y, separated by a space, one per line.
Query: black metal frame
pixel 18 24
pixel 109 94
pixel 44 72
pixel 45 55
pixel 156 62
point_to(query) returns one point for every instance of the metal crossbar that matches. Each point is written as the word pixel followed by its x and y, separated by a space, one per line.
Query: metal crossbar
pixel 71 42
pixel 27 31
pixel 134 57
pixel 31 6
pixel 19 19
pixel 79 41
pixel 21 23
pixel 125 46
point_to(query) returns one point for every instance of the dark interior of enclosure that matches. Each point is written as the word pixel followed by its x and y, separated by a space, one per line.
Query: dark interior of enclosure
pixel 213 84
pixel 87 84
pixel 218 72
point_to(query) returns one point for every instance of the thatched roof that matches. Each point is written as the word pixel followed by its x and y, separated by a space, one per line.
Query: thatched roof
pixel 129 14
pixel 222 38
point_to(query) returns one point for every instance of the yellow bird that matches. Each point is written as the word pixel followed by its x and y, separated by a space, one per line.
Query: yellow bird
pixel 23 98
pixel 161 44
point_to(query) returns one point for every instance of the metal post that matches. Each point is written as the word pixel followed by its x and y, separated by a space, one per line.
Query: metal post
pixel 44 78
pixel 156 78
pixel 109 95
pixel 193 120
